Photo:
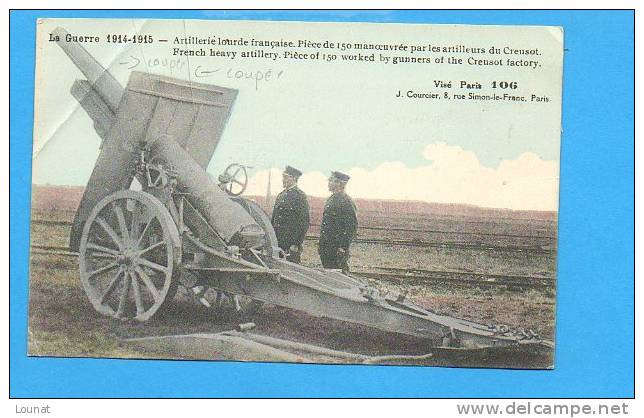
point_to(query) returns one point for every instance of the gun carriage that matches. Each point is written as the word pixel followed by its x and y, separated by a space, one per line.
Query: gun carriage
pixel 152 219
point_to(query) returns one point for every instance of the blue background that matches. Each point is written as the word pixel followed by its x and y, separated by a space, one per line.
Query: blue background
pixel 595 300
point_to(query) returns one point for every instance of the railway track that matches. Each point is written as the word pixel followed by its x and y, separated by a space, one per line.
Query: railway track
pixel 532 249
pixel 448 232
pixel 418 243
pixel 421 276
pixel 401 275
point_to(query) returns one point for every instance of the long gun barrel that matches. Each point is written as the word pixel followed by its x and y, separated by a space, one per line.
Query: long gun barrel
pixel 233 223
pixel 183 120
pixel 104 83
pixel 172 117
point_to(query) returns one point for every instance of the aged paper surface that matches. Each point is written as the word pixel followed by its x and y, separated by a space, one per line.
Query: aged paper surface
pixel 296 191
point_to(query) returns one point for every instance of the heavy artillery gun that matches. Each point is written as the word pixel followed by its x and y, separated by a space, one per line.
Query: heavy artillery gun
pixel 179 227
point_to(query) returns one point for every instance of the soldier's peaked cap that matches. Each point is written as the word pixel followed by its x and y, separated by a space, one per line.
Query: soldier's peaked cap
pixel 293 172
pixel 340 176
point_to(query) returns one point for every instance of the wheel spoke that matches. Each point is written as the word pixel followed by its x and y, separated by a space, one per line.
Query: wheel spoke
pixel 137 294
pixel 134 225
pixel 123 299
pixel 238 182
pixel 125 234
pixel 150 248
pixel 103 256
pixel 103 269
pixel 236 172
pixel 101 249
pixel 145 229
pixel 127 254
pixel 111 286
pixel 152 265
pixel 107 228
pixel 148 283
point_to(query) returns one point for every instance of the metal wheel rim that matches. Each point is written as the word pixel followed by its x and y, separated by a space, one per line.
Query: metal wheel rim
pixel 128 255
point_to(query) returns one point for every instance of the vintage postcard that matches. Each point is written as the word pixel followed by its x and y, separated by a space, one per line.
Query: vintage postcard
pixel 305 192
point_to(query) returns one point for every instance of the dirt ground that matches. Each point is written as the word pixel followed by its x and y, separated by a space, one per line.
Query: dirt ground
pixel 62 322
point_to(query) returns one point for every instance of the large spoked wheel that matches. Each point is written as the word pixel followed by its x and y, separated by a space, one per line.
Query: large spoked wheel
pixel 129 253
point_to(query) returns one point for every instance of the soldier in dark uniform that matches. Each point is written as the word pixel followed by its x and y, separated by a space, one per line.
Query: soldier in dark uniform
pixel 291 215
pixel 339 224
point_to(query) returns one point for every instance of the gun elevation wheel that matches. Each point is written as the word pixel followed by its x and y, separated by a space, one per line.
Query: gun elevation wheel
pixel 129 252
pixel 234 179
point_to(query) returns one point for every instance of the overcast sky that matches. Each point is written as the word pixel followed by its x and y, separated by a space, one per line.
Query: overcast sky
pixel 320 116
